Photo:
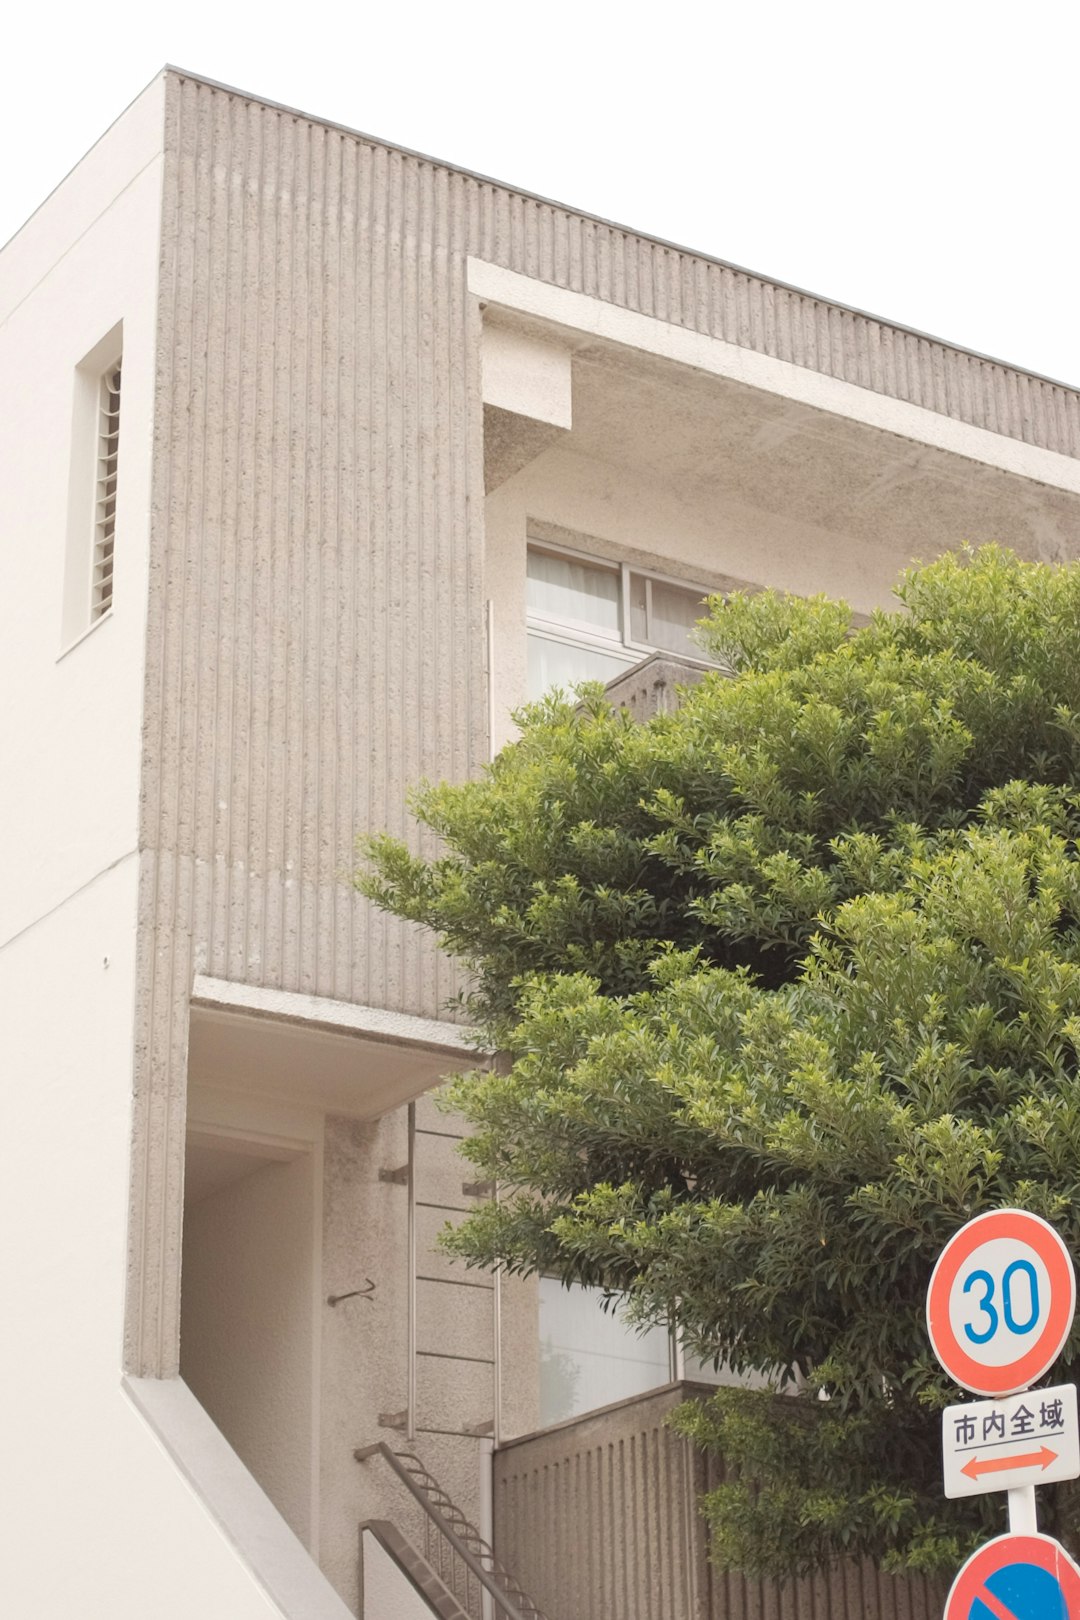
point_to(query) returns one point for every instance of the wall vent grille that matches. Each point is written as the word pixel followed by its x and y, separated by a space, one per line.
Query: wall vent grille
pixel 101 581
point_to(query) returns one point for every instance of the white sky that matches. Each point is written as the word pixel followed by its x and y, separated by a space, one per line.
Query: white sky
pixel 919 161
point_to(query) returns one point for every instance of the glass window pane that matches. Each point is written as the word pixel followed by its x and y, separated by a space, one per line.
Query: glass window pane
pixel 588 1357
pixel 639 608
pixel 674 610
pixel 703 1372
pixel 562 663
pixel 572 591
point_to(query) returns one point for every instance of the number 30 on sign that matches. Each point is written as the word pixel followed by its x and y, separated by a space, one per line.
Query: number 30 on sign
pixel 1001 1302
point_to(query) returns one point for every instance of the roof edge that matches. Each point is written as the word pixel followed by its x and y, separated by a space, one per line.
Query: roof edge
pixel 616 225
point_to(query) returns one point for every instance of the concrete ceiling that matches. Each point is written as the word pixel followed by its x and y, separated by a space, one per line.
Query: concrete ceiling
pixel 208 1167
pixel 732 453
pixel 721 444
pixel 339 1072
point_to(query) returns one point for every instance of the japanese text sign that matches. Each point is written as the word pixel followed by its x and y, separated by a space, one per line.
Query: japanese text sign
pixel 1028 1439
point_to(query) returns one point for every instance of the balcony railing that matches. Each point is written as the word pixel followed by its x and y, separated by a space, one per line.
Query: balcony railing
pixel 598 1517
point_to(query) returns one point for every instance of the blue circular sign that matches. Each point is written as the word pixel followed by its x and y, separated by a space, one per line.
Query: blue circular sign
pixel 1022 1592
pixel 1017 1577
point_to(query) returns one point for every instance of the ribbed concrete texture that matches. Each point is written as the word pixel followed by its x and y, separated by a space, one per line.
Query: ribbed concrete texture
pixel 365 1367
pixel 315 625
pixel 599 1517
pixel 316 618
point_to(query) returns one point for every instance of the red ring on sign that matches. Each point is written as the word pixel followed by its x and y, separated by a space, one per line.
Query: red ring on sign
pixel 1022 1227
pixel 1042 1551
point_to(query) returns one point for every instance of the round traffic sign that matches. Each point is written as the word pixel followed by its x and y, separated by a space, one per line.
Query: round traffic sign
pixel 1001 1302
pixel 1028 1577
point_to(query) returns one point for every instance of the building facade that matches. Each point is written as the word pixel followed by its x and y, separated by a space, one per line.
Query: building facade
pixel 319 455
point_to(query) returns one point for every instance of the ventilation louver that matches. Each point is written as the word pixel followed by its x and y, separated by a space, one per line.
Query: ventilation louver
pixel 101 585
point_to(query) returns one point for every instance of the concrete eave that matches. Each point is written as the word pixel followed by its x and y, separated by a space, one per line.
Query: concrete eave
pixel 336 1056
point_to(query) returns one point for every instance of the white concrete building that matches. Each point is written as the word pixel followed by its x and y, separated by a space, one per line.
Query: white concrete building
pixel 313 450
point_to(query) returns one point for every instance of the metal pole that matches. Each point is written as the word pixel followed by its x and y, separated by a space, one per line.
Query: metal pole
pixel 496 1352
pixel 1023 1520
pixel 487 1516
pixel 489 626
pixel 410 1422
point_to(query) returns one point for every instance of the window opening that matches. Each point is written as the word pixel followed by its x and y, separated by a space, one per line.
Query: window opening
pixel 589 620
pixel 590 1356
pixel 93 472
pixel 108 460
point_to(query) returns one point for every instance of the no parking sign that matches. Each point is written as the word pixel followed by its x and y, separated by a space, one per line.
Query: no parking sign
pixel 1028 1577
pixel 999 1309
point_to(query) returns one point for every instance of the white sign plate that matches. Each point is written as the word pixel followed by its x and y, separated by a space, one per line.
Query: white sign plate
pixel 1029 1439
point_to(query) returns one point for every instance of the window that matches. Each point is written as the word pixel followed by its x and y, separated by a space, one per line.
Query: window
pixel 589 620
pixel 90 550
pixel 108 459
pixel 590 1357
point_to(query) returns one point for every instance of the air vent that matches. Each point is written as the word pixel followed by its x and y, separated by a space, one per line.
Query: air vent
pixel 101 584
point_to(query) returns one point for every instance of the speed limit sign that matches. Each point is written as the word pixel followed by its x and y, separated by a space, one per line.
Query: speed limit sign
pixel 1001 1302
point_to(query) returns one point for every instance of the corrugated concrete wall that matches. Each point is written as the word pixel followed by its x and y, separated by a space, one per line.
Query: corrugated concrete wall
pixel 315 627
pixel 599 1517
pixel 316 622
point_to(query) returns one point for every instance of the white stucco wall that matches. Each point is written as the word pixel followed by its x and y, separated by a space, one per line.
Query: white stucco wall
pixel 98 1518
pixel 246 1329
pixel 69 724
pixel 607 510
pixel 702 528
pixel 388 1594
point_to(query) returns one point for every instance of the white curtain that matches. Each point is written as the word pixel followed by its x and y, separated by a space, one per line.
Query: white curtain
pixel 573 592
pixel 565 663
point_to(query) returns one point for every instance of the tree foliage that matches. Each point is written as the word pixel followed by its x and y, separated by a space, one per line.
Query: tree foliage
pixel 788 988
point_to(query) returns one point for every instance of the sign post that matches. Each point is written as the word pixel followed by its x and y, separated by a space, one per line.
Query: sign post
pixel 999 1309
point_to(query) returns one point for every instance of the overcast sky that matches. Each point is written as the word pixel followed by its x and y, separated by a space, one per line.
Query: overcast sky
pixel 919 161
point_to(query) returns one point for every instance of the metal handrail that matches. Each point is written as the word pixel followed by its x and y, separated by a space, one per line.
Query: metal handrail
pixel 410 1239
pixel 472 1562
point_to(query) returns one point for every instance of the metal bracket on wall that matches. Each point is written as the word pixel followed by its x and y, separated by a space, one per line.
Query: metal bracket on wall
pixel 471 1431
pixel 393 1420
pixel 354 1293
pixel 400 1176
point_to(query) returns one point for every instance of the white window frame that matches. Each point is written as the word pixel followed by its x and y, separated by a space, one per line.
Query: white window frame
pixel 103 556
pixel 579 633
pixel 82 611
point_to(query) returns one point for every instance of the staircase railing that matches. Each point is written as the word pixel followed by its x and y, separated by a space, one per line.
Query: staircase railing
pixel 474 1572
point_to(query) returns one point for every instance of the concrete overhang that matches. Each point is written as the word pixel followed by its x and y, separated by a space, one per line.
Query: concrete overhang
pixel 753 458
pixel 316 1053
pixel 794 461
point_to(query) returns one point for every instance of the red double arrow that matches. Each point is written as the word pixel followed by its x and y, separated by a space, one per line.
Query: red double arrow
pixel 996 1465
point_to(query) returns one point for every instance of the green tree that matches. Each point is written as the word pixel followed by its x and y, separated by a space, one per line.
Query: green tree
pixel 788 988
